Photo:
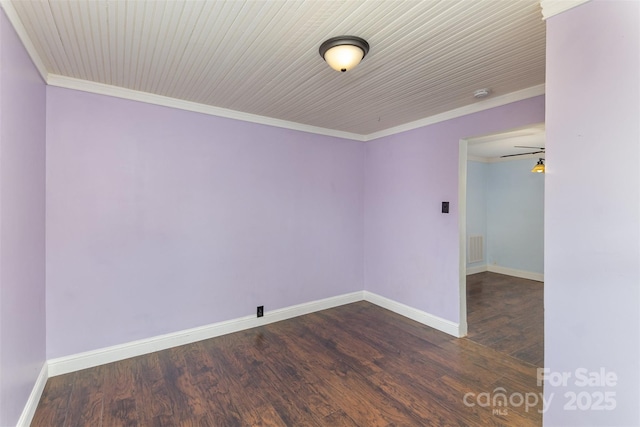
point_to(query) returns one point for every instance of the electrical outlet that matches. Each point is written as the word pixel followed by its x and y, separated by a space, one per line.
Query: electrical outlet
pixel 445 207
pixel 260 310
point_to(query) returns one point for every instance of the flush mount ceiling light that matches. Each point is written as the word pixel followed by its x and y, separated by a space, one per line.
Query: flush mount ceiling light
pixel 539 167
pixel 344 52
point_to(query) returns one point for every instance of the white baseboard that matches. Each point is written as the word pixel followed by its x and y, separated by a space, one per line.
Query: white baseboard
pixel 539 277
pixel 89 359
pixel 476 269
pixel 420 316
pixel 506 271
pixel 32 403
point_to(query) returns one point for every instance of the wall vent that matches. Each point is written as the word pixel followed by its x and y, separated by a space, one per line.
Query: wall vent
pixel 475 250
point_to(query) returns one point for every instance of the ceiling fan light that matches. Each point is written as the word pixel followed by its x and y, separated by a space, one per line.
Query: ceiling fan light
pixel 539 167
pixel 344 52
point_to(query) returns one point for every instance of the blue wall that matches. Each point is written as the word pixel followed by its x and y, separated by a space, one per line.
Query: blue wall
pixel 477 204
pixel 514 215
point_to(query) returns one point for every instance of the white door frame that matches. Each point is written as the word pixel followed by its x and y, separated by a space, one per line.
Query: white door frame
pixel 462 227
pixel 463 146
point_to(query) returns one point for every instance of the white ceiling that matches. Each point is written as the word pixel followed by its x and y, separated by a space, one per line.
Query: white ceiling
pixel 493 147
pixel 261 57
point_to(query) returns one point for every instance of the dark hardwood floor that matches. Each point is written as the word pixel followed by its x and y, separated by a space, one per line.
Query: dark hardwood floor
pixel 354 365
pixel 507 314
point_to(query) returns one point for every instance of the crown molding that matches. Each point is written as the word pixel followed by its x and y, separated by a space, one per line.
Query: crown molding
pixel 505 159
pixel 486 104
pixel 478 159
pixel 149 98
pixel 11 13
pixel 554 7
pixel 165 101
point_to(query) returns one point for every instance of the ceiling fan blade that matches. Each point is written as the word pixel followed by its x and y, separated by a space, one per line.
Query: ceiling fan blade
pixel 525 146
pixel 522 154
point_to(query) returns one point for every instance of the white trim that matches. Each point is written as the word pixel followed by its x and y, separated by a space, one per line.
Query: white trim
pixel 476 269
pixel 463 162
pixel 89 359
pixel 486 104
pixel 29 409
pixel 506 271
pixel 478 159
pixel 506 159
pixel 149 98
pixel 539 277
pixel 511 159
pixel 420 316
pixel 165 101
pixel 554 7
pixel 24 37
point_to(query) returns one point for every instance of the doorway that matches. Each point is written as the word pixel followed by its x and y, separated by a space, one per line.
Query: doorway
pixel 501 240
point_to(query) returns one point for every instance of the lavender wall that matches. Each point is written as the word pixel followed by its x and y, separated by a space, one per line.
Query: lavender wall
pixel 411 249
pixel 160 220
pixel 22 220
pixel 592 236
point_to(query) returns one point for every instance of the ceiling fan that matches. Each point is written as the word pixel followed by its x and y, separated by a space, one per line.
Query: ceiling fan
pixel 539 150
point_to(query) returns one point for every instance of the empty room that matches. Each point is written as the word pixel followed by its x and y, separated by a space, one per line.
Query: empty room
pixel 243 213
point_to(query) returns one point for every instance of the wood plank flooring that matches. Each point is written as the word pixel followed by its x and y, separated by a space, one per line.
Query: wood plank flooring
pixel 354 365
pixel 506 314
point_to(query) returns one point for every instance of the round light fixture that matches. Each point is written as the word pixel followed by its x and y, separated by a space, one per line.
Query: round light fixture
pixel 344 52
